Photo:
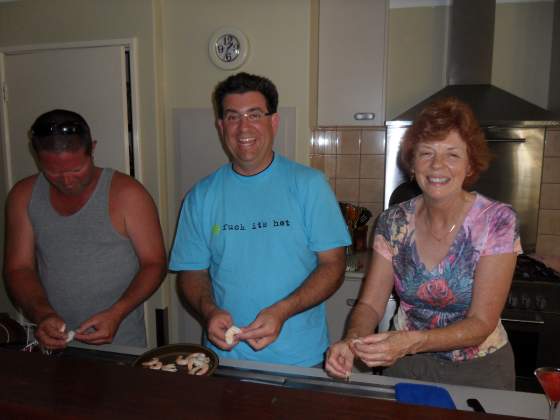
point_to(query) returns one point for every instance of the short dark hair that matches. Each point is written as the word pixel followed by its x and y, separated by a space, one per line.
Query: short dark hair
pixel 243 83
pixel 435 122
pixel 60 130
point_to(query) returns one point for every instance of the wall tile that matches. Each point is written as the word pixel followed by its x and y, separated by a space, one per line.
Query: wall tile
pixel 317 162
pixel 330 166
pixel 549 222
pixel 349 142
pixel 347 190
pixel 552 144
pixel 347 166
pixel 372 166
pixel 550 196
pixel 373 142
pixel 548 245
pixel 324 142
pixel 371 190
pixel 324 163
pixel 551 169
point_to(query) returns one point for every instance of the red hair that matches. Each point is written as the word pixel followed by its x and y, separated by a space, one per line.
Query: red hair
pixel 435 122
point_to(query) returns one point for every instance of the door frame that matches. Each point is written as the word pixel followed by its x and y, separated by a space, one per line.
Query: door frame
pixel 129 44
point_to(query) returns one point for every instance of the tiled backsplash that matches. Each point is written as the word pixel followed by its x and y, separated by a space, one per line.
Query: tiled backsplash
pixel 354 161
pixel 548 239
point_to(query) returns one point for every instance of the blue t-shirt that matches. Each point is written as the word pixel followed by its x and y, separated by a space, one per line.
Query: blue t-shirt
pixel 258 237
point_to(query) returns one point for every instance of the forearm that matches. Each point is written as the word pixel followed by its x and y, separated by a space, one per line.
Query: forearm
pixel 27 292
pixel 196 287
pixel 468 332
pixel 319 285
pixel 145 283
pixel 363 320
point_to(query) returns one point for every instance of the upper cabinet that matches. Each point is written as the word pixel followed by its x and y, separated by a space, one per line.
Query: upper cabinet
pixel 352 51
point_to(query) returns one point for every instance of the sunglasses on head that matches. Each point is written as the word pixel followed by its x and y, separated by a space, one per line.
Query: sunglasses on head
pixel 66 128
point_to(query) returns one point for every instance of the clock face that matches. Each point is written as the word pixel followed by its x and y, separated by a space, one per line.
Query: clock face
pixel 228 48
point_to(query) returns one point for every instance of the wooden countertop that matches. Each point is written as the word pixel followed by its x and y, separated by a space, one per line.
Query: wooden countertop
pixel 37 386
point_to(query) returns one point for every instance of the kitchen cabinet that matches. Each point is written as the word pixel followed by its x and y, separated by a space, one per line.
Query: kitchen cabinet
pixel 352 51
pixel 340 304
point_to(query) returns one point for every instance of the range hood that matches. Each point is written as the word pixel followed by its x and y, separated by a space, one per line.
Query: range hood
pixel 469 73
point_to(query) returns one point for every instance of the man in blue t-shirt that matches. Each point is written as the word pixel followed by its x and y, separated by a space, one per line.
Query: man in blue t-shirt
pixel 260 242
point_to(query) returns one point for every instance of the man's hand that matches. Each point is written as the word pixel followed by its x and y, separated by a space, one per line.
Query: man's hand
pixel 51 332
pixel 218 322
pixel 264 329
pixel 99 329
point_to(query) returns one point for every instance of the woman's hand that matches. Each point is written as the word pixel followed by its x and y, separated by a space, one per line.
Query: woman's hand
pixel 385 349
pixel 339 360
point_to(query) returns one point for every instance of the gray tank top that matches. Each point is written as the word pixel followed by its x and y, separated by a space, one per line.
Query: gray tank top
pixel 84 264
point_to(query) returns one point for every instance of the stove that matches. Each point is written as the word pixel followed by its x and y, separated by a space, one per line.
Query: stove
pixel 531 318
pixel 535 287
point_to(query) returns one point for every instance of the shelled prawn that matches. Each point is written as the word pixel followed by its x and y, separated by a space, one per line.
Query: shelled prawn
pixel 197 364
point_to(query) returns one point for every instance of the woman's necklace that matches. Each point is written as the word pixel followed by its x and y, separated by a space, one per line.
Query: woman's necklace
pixel 431 230
pixel 437 238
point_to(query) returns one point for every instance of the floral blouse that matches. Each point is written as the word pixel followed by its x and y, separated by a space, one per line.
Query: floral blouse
pixel 441 296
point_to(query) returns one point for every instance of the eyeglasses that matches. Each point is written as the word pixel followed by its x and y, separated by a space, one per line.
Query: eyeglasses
pixel 254 116
pixel 66 128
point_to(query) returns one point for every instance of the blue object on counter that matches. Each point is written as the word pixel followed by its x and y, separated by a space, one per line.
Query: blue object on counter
pixel 430 395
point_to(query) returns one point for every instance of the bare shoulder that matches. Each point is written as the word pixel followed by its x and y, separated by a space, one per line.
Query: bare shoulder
pixel 127 191
pixel 20 194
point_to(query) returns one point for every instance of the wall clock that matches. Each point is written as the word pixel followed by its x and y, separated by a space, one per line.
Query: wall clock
pixel 228 48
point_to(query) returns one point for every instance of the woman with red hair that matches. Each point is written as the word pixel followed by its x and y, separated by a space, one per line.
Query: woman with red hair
pixel 449 254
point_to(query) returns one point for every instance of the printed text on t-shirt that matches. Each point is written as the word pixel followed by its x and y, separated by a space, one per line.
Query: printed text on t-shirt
pixel 254 225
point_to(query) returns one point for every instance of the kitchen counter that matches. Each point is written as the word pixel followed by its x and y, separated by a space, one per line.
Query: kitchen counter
pixel 38 386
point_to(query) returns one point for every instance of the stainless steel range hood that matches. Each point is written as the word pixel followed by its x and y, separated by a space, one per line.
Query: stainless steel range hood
pixel 491 105
pixel 469 73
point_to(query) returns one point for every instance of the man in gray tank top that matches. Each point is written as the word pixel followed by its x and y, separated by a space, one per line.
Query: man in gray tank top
pixel 84 245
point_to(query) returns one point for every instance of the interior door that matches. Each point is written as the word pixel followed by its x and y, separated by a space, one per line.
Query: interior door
pixel 90 81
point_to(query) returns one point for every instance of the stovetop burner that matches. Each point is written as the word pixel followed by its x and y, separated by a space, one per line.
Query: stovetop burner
pixel 530 269
pixel 535 290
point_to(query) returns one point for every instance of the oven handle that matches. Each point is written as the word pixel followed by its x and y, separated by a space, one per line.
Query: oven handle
pixel 523 321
